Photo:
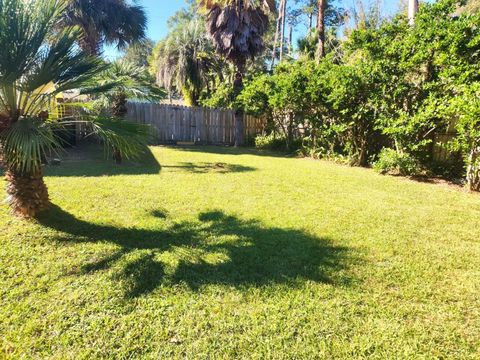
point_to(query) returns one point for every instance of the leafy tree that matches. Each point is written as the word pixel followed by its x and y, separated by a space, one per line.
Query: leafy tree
pixel 39 65
pixel 467 109
pixel 101 22
pixel 352 111
pixel 280 98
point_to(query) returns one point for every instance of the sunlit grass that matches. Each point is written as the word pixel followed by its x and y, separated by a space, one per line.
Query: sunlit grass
pixel 224 253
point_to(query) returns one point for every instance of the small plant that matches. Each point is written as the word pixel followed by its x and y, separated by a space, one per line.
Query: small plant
pixel 276 142
pixel 391 162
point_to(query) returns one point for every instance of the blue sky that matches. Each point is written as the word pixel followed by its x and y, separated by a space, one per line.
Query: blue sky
pixel 158 11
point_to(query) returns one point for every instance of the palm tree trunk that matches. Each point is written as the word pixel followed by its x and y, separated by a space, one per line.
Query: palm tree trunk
pixel 119 109
pixel 237 89
pixel 27 194
pixel 412 11
pixel 322 4
pixel 90 44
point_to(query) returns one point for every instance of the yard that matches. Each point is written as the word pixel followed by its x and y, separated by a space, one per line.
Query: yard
pixel 224 253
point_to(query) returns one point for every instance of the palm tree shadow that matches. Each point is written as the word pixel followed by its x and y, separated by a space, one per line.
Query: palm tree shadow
pixel 205 167
pixel 230 150
pixel 90 160
pixel 216 249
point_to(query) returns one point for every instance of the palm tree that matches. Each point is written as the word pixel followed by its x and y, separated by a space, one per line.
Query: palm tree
pixel 37 64
pixel 183 59
pixel 124 80
pixel 105 21
pixel 237 28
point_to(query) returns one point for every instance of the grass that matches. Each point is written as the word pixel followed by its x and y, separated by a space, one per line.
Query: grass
pixel 224 253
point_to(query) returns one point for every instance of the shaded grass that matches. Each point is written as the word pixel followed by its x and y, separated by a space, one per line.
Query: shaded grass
pixel 260 257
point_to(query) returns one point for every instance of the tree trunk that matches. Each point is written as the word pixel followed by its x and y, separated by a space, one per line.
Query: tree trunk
pixel 27 194
pixel 290 131
pixel 119 104
pixel 277 32
pixel 119 109
pixel 473 170
pixel 362 156
pixel 117 156
pixel 412 11
pixel 90 44
pixel 237 89
pixel 322 4
pixel 282 32
pixel 290 41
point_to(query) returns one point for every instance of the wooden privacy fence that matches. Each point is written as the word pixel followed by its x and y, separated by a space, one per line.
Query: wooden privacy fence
pixel 174 123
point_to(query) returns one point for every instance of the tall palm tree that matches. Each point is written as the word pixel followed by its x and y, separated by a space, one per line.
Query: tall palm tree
pixel 237 28
pixel 182 60
pixel 116 22
pixel 37 64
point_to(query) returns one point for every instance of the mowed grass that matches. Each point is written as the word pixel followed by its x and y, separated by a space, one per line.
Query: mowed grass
pixel 224 254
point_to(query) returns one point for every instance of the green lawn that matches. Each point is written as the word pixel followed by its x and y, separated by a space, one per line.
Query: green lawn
pixel 224 253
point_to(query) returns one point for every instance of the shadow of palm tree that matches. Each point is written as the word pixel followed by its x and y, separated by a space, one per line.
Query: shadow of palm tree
pixel 215 249
pixel 230 150
pixel 74 163
pixel 204 167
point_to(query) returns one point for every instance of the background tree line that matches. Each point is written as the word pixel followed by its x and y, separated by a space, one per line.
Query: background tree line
pixel 358 86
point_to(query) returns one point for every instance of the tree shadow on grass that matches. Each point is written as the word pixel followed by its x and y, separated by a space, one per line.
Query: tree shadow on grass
pixel 230 150
pixel 204 167
pixel 89 160
pixel 215 249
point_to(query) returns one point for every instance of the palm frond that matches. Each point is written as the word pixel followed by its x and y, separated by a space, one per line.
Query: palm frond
pixel 117 22
pixel 182 59
pixel 237 27
pixel 27 142
pixel 131 139
pixel 126 78
pixel 37 62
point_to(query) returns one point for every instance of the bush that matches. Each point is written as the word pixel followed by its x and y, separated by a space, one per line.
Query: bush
pixel 391 162
pixel 276 142
pixel 222 98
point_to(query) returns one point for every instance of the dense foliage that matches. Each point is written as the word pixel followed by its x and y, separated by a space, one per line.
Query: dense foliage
pixel 396 86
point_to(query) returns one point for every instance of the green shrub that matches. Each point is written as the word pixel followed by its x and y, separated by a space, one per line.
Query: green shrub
pixel 276 142
pixel 391 162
